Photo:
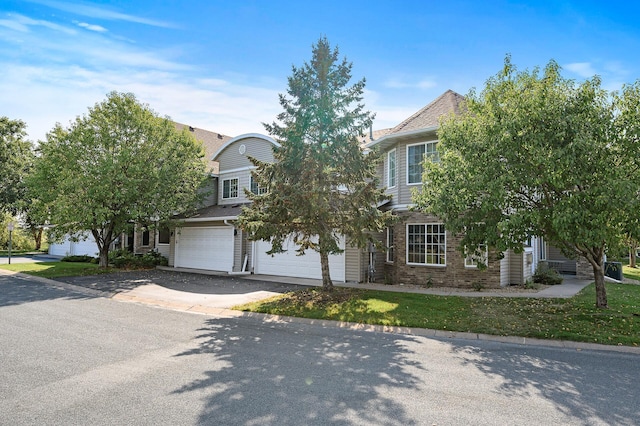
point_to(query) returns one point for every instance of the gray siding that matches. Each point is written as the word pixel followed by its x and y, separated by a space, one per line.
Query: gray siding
pixel 404 190
pixel 352 263
pixel 244 181
pixel 504 269
pixel 238 250
pixel 230 158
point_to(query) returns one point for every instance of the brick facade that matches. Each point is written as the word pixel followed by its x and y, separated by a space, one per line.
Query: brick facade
pixel 453 274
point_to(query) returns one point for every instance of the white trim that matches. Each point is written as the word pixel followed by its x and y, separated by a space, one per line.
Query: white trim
pixel 473 259
pixel 425 143
pixel 222 197
pixel 395 168
pixel 244 136
pixel 210 219
pixel 392 246
pixel 390 137
pixel 239 169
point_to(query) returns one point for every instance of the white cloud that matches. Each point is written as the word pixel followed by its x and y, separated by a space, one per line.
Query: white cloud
pixel 400 83
pixel 92 27
pixel 583 69
pixel 23 23
pixel 43 96
pixel 100 13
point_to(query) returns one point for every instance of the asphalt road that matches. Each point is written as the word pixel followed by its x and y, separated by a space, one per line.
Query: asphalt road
pixel 68 358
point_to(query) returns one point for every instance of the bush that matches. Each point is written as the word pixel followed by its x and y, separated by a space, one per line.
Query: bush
pixel 125 259
pixel 78 258
pixel 546 275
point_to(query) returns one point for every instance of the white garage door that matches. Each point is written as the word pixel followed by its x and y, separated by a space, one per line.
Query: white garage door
pixel 288 264
pixel 75 248
pixel 85 247
pixel 60 249
pixel 205 248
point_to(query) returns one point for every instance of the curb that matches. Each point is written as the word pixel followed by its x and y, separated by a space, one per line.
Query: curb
pixel 422 332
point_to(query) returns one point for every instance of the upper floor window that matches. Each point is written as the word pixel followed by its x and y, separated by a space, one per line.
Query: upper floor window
pixel 230 188
pixel 391 168
pixel 257 189
pixel 415 156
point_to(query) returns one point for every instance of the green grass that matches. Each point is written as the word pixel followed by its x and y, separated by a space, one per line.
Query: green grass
pixel 574 319
pixel 631 273
pixel 56 269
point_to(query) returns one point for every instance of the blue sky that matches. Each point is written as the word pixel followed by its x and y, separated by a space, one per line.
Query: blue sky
pixel 219 65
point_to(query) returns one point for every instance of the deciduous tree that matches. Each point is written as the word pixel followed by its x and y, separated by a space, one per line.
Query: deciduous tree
pixel 321 185
pixel 16 157
pixel 536 154
pixel 119 164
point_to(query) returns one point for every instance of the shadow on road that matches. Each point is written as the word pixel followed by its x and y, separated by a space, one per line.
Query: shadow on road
pixel 260 375
pixel 577 385
pixel 15 290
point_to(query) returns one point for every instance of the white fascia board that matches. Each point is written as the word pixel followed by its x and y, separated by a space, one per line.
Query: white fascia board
pixel 239 169
pixel 209 219
pixel 391 138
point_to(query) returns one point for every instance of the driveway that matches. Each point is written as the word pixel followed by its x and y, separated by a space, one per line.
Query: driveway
pixel 176 289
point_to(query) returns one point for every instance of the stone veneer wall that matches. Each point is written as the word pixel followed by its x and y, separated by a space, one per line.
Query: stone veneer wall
pixel 454 274
pixel 584 270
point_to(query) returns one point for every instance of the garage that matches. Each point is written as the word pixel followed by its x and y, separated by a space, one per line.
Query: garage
pixel 81 247
pixel 209 248
pixel 288 264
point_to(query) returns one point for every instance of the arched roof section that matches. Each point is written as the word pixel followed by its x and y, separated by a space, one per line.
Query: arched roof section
pixel 241 137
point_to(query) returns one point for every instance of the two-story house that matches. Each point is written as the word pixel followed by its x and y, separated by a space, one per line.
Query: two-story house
pixel 209 239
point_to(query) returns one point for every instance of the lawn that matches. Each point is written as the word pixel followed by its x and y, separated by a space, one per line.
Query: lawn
pixel 56 269
pixel 574 319
pixel 631 273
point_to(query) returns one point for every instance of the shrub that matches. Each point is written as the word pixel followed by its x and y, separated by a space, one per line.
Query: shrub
pixel 78 258
pixel 546 275
pixel 128 260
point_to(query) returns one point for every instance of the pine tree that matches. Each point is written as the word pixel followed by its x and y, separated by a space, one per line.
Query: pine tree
pixel 321 186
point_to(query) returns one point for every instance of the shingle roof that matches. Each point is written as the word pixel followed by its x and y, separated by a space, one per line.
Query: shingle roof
pixel 210 140
pixel 215 212
pixel 428 116
pixel 371 136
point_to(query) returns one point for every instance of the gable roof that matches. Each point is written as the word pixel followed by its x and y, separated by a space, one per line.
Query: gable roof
pixel 423 121
pixel 210 140
pixel 429 116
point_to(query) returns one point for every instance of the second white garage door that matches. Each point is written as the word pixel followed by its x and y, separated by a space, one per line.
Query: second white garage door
pixel 209 248
pixel 288 264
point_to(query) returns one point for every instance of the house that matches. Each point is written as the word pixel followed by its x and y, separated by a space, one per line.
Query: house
pixel 420 250
pixel 141 240
pixel 209 239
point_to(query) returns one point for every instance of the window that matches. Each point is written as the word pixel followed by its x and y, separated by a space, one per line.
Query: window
pixel 542 249
pixel 415 156
pixel 390 253
pixel 391 168
pixel 230 188
pixel 426 244
pixel 145 238
pixel 257 189
pixel 164 236
pixel 472 259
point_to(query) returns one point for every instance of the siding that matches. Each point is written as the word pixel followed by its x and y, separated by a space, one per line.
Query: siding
pixel 504 269
pixel 237 250
pixel 404 190
pixel 244 181
pixel 230 158
pixel 353 262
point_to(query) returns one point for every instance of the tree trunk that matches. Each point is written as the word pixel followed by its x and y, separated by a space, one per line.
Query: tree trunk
pixel 104 256
pixel 37 236
pixel 601 291
pixel 327 284
pixel 632 256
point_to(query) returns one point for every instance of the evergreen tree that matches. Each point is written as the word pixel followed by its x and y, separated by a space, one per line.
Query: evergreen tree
pixel 321 186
